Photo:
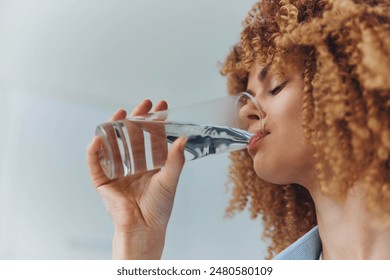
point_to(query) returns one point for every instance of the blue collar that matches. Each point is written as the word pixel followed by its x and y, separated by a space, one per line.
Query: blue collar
pixel 308 247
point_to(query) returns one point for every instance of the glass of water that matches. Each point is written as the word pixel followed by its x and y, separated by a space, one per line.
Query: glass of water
pixel 141 143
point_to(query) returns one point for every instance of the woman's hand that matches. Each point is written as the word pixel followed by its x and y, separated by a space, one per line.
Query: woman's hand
pixel 139 205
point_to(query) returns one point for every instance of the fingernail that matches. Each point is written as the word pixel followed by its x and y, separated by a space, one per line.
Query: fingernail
pixel 183 143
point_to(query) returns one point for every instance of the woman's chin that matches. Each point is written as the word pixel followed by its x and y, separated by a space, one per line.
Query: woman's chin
pixel 269 176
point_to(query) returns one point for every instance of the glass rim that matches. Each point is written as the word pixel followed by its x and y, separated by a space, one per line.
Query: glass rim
pixel 254 101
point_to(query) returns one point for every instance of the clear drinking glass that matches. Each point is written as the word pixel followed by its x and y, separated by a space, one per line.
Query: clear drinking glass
pixel 140 143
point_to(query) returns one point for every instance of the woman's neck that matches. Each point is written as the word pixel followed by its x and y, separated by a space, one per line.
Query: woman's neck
pixel 348 230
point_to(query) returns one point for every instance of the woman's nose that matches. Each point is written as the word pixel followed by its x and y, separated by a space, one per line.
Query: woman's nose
pixel 251 114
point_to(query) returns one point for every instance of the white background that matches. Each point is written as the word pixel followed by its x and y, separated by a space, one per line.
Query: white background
pixel 65 66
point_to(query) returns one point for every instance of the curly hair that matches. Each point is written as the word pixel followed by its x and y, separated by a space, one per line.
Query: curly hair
pixel 342 49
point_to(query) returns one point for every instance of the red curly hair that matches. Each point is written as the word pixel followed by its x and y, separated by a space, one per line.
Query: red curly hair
pixel 342 49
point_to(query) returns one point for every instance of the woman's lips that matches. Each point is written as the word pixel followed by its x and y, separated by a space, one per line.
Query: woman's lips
pixel 255 139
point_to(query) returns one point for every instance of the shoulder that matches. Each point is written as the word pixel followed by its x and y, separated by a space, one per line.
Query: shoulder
pixel 308 247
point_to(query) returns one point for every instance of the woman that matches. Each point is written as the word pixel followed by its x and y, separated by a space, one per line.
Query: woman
pixel 321 171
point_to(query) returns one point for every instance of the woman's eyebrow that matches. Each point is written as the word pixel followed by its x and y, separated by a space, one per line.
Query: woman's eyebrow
pixel 263 73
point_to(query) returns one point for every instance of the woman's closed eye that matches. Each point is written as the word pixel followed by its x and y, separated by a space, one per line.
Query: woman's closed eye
pixel 277 89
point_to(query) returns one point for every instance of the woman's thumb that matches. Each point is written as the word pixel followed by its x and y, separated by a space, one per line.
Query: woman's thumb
pixel 173 166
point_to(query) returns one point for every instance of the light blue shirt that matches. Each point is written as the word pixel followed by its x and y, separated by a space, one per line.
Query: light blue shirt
pixel 308 247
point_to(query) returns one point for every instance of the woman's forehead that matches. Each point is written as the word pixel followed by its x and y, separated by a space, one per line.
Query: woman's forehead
pixel 262 71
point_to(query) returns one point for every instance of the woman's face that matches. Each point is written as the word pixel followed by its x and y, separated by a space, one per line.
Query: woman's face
pixel 280 157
